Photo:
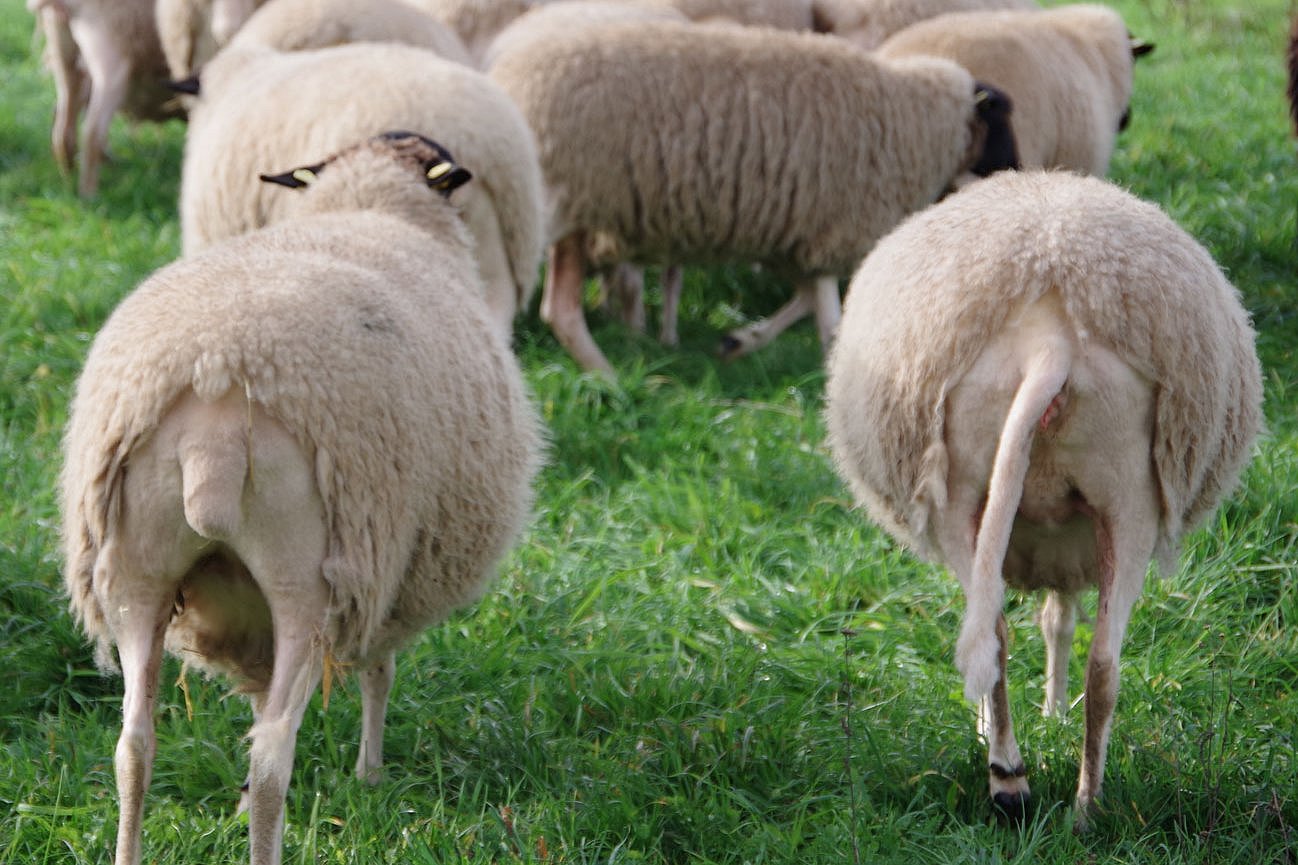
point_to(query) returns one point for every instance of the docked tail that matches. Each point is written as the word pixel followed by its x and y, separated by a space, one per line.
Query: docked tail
pixel 214 466
pixel 978 649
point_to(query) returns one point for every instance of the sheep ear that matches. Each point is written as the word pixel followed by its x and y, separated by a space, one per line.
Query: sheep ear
pixel 1139 47
pixel 298 178
pixel 446 177
pixel 188 85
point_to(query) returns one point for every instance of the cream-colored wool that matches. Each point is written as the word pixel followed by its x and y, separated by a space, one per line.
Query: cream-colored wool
pixel 263 111
pixel 867 23
pixel 1103 349
pixel 1067 70
pixel 477 22
pixel 301 446
pixel 104 56
pixel 781 14
pixel 557 21
pixel 299 25
pixel 796 151
pixel 192 31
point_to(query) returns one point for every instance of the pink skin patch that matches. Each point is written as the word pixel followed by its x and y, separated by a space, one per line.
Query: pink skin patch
pixel 1051 412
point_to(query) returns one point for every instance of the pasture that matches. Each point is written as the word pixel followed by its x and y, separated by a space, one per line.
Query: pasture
pixel 699 652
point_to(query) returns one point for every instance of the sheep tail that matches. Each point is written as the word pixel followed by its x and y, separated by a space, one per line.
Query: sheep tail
pixel 978 649
pixel 213 476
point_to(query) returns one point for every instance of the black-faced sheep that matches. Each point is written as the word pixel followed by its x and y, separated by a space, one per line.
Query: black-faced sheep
pixel 1042 381
pixel 1067 71
pixel 744 144
pixel 261 108
pixel 303 445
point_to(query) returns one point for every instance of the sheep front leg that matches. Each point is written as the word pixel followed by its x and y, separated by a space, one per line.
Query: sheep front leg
pixel 672 283
pixel 1006 774
pixel 1125 543
pixel 748 339
pixel 561 304
pixel 1058 622
pixel 376 685
pixel 141 619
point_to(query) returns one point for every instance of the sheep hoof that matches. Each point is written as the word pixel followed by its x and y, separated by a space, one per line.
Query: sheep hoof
pixel 1011 806
pixel 731 347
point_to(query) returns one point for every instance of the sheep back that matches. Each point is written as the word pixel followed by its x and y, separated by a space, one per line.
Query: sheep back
pixel 377 357
pixel 298 25
pixel 932 294
pixel 867 23
pixel 1068 71
pixel 264 111
pixel 692 144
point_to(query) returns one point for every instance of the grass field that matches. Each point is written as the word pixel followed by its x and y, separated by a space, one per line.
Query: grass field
pixel 699 653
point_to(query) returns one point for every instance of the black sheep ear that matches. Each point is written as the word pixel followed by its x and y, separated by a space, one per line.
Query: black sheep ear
pixel 446 177
pixel 189 86
pixel 1139 47
pixel 298 178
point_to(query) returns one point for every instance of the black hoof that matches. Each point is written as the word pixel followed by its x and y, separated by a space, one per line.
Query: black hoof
pixel 729 348
pixel 1011 806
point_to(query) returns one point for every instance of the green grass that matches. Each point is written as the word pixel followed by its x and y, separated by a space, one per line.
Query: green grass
pixel 661 673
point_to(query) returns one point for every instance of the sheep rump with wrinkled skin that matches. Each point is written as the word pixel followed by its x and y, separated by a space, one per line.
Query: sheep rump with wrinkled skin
pixel 722 153
pixel 1068 71
pixel 261 110
pixel 1042 381
pixel 309 442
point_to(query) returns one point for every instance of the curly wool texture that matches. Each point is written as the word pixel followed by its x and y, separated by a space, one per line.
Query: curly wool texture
pixel 363 335
pixel 926 302
pixel 1067 70
pixel 868 23
pixel 299 25
pixel 264 111
pixel 793 150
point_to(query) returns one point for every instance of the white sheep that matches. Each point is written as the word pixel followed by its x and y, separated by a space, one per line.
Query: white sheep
pixel 299 25
pixel 867 23
pixel 556 21
pixel 298 448
pixel 1042 381
pixel 261 108
pixel 476 22
pixel 1067 70
pixel 796 151
pixel 104 56
pixel 192 31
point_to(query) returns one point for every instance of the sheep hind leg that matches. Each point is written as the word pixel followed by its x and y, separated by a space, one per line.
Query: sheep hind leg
pixel 819 296
pixel 376 685
pixel 143 614
pixel 109 70
pixel 1058 623
pixel 561 298
pixel 69 84
pixel 672 283
pixel 1125 543
pixel 1007 776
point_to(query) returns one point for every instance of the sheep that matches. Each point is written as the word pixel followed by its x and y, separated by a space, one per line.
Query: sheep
pixel 476 22
pixel 298 25
pixel 791 150
pixel 294 450
pixel 555 21
pixel 192 31
pixel 1067 70
pixel 1042 381
pixel 260 108
pixel 104 56
pixel 867 23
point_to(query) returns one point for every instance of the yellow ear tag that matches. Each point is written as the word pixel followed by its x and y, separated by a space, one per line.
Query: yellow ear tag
pixel 439 171
pixel 304 176
pixel 981 96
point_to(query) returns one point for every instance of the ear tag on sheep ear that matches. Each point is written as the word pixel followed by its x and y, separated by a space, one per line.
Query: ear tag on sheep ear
pixel 298 178
pixel 446 177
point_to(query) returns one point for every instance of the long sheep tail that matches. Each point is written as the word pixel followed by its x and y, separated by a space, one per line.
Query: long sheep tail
pixel 978 649
pixel 213 472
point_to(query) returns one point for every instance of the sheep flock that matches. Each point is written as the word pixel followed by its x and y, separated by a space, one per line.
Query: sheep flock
pixel 308 439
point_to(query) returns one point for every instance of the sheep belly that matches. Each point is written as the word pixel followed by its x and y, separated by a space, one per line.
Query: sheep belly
pixel 1088 450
